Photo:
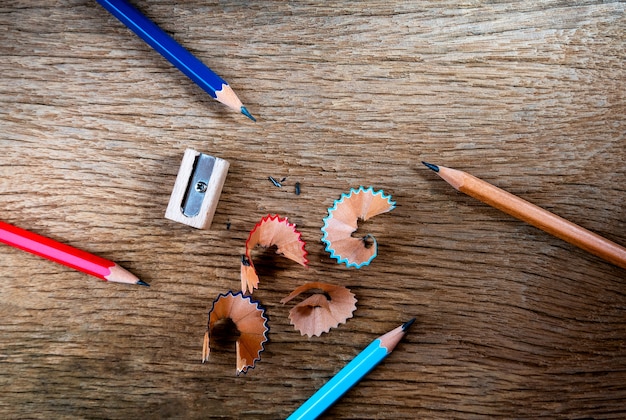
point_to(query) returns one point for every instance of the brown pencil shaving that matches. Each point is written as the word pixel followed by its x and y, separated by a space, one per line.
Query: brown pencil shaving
pixel 249 320
pixel 320 312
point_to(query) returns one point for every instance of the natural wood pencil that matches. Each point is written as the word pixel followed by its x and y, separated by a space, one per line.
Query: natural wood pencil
pixel 532 214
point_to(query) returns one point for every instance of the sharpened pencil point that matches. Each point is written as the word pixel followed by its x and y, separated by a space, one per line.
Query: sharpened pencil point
pixel 245 112
pixel 407 324
pixel 431 166
pixel 142 283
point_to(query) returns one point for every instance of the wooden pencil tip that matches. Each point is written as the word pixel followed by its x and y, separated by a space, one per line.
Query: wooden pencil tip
pixel 245 112
pixel 407 324
pixel 431 166
pixel 142 283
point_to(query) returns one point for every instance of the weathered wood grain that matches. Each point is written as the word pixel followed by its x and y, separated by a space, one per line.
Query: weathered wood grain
pixel 511 322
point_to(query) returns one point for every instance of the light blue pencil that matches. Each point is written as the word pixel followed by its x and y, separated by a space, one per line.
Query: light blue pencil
pixel 352 373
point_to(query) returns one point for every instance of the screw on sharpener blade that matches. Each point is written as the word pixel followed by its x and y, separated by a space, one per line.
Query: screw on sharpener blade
pixel 197 189
pixel 201 187
pixel 198 183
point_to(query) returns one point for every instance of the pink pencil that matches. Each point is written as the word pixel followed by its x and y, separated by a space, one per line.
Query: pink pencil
pixel 66 255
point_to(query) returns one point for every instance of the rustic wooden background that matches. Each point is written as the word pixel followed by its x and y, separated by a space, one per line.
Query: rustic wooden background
pixel 511 322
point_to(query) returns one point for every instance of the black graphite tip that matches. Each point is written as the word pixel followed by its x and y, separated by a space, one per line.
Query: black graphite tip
pixel 431 166
pixel 407 324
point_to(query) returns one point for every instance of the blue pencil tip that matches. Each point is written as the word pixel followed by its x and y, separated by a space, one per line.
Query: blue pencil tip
pixel 431 166
pixel 245 112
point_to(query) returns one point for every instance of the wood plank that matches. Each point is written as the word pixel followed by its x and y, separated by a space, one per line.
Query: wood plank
pixel 511 322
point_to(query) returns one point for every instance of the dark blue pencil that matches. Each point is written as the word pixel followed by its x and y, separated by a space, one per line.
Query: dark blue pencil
pixel 177 55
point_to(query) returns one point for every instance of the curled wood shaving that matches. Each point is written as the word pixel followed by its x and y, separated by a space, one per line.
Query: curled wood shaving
pixel 342 222
pixel 320 312
pixel 249 319
pixel 271 230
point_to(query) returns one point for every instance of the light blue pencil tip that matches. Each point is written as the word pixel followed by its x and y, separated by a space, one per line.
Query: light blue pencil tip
pixel 245 112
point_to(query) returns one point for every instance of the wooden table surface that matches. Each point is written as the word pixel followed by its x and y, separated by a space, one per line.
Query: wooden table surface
pixel 511 322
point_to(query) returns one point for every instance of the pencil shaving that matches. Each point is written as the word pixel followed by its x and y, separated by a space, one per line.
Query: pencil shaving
pixel 271 231
pixel 320 312
pixel 248 317
pixel 342 222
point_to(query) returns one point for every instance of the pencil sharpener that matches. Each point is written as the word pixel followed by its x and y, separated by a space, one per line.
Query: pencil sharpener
pixel 197 189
